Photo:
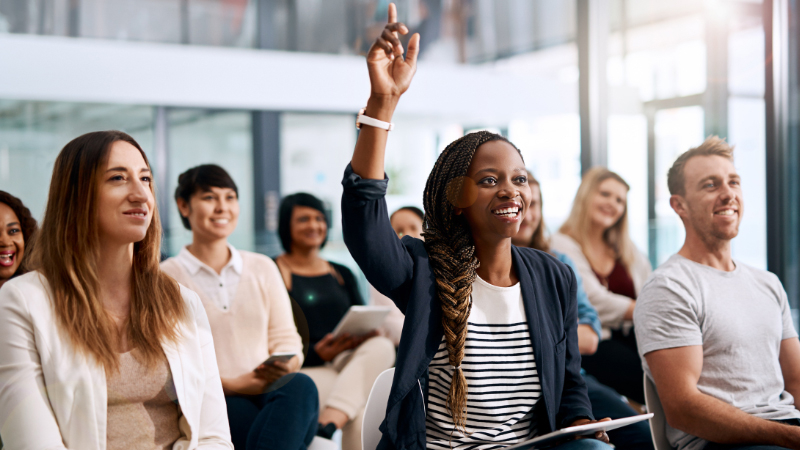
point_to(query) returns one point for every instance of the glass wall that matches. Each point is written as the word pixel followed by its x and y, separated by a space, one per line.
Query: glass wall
pixel 678 72
pixel 32 134
pixel 199 136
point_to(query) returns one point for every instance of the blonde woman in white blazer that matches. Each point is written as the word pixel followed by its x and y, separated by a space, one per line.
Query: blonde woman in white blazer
pixel 98 348
pixel 595 236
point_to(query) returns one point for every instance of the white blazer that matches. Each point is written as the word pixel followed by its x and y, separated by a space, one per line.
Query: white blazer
pixel 52 397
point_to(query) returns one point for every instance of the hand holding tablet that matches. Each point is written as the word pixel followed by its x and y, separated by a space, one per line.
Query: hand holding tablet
pixel 361 320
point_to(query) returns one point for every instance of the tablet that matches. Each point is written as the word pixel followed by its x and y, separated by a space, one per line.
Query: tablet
pixel 282 357
pixel 580 430
pixel 360 320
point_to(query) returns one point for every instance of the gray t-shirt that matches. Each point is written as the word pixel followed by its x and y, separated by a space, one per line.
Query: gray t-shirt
pixel 740 319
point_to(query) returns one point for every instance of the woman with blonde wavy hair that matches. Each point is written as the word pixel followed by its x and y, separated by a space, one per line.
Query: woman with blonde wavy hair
pixel 595 236
pixel 488 354
pixel 98 347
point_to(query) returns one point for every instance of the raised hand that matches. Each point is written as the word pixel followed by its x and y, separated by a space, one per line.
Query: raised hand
pixel 389 73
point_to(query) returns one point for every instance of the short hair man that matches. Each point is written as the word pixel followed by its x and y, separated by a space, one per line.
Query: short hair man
pixel 716 336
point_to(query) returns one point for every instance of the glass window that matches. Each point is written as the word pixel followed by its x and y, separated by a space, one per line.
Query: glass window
pixel 33 133
pixel 199 136
pixel 627 156
pixel 676 130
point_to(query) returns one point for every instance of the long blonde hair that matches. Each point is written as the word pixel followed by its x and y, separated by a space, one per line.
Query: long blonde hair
pixel 578 223
pixel 66 253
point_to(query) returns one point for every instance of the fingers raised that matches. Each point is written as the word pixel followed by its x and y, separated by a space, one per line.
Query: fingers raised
pixel 413 50
pixel 392 13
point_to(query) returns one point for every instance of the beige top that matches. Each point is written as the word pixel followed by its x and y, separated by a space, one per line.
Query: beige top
pixel 142 406
pixel 610 307
pixel 259 321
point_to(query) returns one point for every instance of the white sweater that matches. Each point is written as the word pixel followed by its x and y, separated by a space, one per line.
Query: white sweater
pixel 610 307
pixel 52 397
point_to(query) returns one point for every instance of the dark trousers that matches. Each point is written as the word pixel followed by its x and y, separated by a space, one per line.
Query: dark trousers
pixel 616 364
pixel 606 402
pixel 715 446
pixel 284 417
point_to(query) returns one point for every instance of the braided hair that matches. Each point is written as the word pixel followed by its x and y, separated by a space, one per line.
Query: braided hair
pixel 451 250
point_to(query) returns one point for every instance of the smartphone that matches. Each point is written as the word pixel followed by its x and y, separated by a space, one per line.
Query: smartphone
pixel 283 357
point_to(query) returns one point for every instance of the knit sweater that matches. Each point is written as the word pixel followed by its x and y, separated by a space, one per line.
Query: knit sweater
pixel 259 321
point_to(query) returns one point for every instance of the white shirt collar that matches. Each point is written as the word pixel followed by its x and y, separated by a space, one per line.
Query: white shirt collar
pixel 193 265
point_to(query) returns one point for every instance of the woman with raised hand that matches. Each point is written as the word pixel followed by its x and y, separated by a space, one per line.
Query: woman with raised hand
pixel 595 236
pixel 606 402
pixel 99 349
pixel 489 349
pixel 343 367
pixel 269 405
pixel 17 227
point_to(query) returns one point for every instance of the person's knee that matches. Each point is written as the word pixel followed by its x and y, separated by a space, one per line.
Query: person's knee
pixel 300 386
pixel 380 346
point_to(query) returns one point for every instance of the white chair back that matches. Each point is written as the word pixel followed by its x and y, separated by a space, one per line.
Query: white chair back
pixel 658 423
pixel 375 410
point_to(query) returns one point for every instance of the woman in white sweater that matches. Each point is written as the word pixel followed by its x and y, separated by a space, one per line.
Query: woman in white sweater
pixel 269 405
pixel 99 349
pixel 595 236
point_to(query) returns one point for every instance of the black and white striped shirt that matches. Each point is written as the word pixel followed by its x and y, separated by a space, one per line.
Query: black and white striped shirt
pixel 503 383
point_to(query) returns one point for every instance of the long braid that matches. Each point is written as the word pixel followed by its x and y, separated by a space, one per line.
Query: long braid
pixel 451 250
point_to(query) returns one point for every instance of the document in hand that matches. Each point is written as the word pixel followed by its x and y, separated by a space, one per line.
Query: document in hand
pixel 580 430
pixel 360 320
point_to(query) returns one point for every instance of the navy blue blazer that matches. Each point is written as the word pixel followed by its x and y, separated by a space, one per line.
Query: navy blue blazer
pixel 400 269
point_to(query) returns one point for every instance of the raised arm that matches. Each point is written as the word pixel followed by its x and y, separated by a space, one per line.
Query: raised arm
pixel 676 372
pixel 389 75
pixel 365 220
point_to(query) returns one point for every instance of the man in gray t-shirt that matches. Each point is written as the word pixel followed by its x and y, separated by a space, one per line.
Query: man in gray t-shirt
pixel 715 335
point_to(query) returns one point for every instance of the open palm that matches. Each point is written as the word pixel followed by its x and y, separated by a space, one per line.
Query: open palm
pixel 389 73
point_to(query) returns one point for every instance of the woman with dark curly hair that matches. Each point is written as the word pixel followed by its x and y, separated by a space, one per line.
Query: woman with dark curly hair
pixel 488 354
pixel 17 227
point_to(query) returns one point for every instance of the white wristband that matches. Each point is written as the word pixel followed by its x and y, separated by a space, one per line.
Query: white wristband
pixel 366 120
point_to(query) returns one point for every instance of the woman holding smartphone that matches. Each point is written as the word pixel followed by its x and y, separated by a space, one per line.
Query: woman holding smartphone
pixel 489 353
pixel 269 405
pixel 98 347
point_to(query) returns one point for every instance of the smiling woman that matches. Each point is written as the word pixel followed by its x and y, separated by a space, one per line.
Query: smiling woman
pixel 17 227
pixel 269 405
pixel 343 367
pixel 109 324
pixel 488 355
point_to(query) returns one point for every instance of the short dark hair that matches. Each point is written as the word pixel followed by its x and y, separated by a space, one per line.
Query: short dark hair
pixel 201 179
pixel 26 222
pixel 712 146
pixel 412 209
pixel 285 216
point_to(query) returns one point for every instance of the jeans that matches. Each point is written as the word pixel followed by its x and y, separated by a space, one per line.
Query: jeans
pixel 616 364
pixel 606 402
pixel 284 417
pixel 582 444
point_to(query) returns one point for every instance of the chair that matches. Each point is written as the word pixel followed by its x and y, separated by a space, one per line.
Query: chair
pixel 658 423
pixel 322 444
pixel 375 410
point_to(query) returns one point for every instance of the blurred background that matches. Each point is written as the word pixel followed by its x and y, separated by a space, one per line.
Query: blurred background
pixel 269 89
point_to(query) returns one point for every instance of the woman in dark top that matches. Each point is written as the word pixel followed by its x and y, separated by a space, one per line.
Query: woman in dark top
pixel 344 367
pixel 474 200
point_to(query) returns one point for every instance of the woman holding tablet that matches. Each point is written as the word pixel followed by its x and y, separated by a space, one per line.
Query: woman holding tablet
pixel 269 405
pixel 343 367
pixel 98 347
pixel 489 354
